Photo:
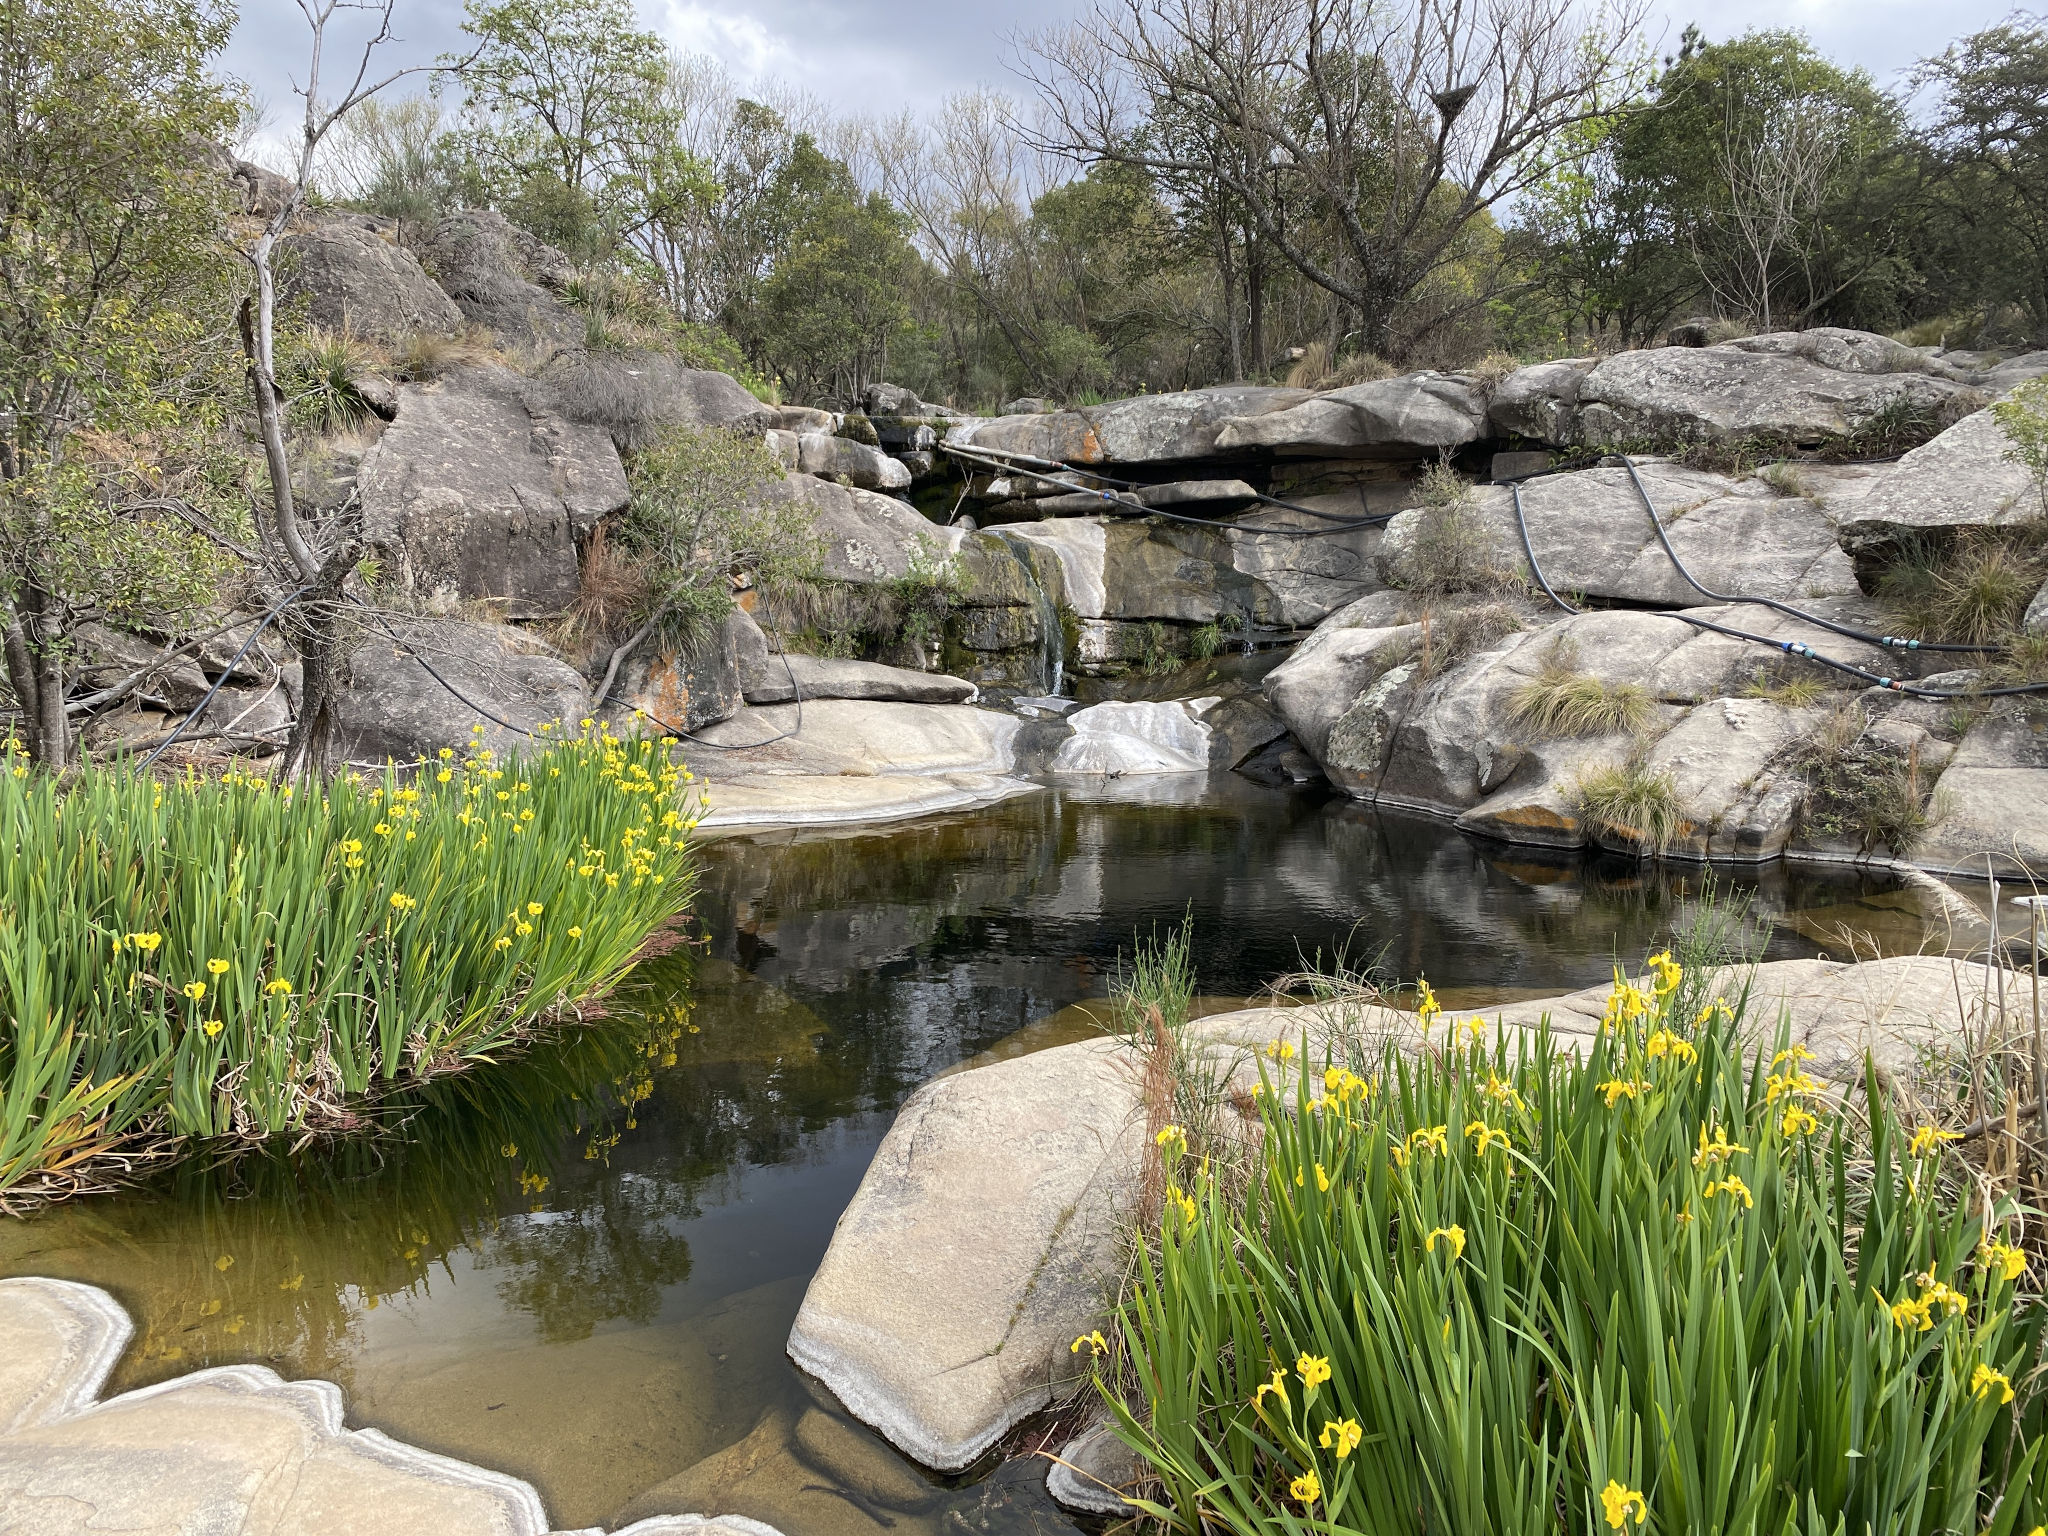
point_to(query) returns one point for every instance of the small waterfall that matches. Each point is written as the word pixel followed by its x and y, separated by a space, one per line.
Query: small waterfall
pixel 1052 639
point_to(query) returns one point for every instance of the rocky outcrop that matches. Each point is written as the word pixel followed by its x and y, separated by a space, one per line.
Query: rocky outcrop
pixel 850 463
pixel 1707 394
pixel 1992 798
pixel 1592 534
pixel 1413 416
pixel 234 1448
pixel 1958 482
pixel 637 395
pixel 1151 429
pixel 479 491
pixel 780 679
pixel 502 278
pixel 356 280
pixel 390 706
pixel 1119 739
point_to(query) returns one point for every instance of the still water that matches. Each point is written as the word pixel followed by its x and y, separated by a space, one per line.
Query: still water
pixel 580 1267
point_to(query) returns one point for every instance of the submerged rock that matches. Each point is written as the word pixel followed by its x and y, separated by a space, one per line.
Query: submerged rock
pixel 1117 739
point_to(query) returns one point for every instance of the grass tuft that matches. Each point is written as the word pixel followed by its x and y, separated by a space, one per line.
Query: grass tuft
pixel 1560 700
pixel 1631 803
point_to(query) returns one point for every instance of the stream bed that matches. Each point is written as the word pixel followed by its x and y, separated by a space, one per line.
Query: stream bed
pixel 580 1266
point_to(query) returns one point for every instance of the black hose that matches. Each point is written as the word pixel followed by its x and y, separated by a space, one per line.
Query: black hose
pixel 200 708
pixel 1789 647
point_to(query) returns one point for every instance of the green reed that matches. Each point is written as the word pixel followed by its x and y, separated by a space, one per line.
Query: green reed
pixel 213 956
pixel 1652 1282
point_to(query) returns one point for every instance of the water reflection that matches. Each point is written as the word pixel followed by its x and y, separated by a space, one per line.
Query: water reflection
pixel 581 1266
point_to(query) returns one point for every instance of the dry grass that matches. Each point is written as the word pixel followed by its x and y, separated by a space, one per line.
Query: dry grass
pixel 1798 691
pixel 1972 594
pixel 1630 802
pixel 1315 370
pixel 1786 478
pixel 1560 700
pixel 1450 637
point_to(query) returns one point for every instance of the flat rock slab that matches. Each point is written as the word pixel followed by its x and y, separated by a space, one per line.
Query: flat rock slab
pixel 822 800
pixel 232 1449
pixel 1992 798
pixel 859 737
pixel 1957 481
pixel 772 679
pixel 977 1246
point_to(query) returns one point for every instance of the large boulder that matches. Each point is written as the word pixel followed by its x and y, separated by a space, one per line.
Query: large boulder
pixel 1707 394
pixel 1592 534
pixel 501 277
pixel 357 281
pixel 780 679
pixel 1149 429
pixel 687 685
pixel 1993 797
pixel 416 685
pixel 1416 415
pixel 637 395
pixel 1847 351
pixel 478 491
pixel 850 463
pixel 976 1248
pixel 1958 482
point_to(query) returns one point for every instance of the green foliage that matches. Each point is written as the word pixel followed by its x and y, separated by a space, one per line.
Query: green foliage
pixel 928 592
pixel 706 504
pixel 1450 548
pixel 1973 591
pixel 318 376
pixel 1560 700
pixel 216 957
pixel 116 323
pixel 393 158
pixel 2023 417
pixel 1517 1287
pixel 1863 789
pixel 1632 803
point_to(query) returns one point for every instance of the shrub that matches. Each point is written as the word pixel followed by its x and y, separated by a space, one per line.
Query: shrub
pixel 1560 700
pixel 1632 803
pixel 1972 592
pixel 318 379
pixel 2023 417
pixel 1786 478
pixel 215 957
pixel 928 592
pixel 1458 633
pixel 1449 548
pixel 1649 1279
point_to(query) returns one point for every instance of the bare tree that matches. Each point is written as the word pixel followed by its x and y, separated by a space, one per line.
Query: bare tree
pixel 313 625
pixel 1778 171
pixel 1360 139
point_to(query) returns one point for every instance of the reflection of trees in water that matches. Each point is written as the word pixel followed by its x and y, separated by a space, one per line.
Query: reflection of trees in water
pixel 605 1257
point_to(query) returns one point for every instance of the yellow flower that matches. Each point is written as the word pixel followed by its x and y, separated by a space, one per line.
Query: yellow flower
pixel 381 829
pixel 1718 1150
pixel 1486 1136
pixel 1279 1050
pixel 1096 1343
pixel 194 990
pixel 279 988
pixel 1939 1293
pixel 1928 1139
pixel 1619 1502
pixel 1664 1043
pixel 1277 1386
pixel 1619 1088
pixel 1185 1203
pixel 503 944
pixel 1454 1239
pixel 510 1149
pixel 1984 1381
pixel 1434 1138
pixel 1314 1369
pixel 1909 1314
pixel 1668 973
pixel 523 929
pixel 292 1284
pixel 1172 1140
pixel 1341 1436
pixel 224 1263
pixel 1427 1008
pixel 1733 1188
pixel 575 933
pixel 534 909
pixel 146 942
pixel 1501 1091
pixel 2002 1256
pixel 1795 1054
pixel 400 902
pixel 1776 1086
pixel 212 1027
pixel 1306 1489
pixel 217 967
pixel 1322 1180
pixel 1798 1122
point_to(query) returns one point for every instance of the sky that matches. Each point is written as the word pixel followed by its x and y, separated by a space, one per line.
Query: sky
pixel 879 56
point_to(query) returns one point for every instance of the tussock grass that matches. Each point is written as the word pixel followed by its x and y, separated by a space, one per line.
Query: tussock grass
pixel 1560 700
pixel 1630 802
pixel 1793 691
pixel 319 381
pixel 1655 1276
pixel 1971 592
pixel 213 957
pixel 1455 634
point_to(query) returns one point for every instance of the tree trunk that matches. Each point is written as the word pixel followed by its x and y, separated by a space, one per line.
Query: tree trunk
pixel 1225 271
pixel 1255 301
pixel 21 677
pixel 313 627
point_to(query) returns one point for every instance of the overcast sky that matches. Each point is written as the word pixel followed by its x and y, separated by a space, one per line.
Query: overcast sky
pixel 879 56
